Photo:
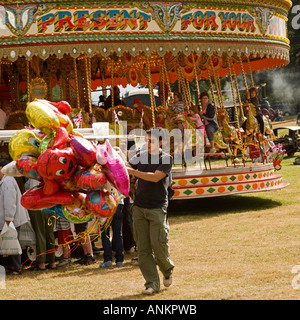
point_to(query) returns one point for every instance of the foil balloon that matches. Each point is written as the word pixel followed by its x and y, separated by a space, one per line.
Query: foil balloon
pixel 35 198
pixel 90 179
pixel 42 117
pixel 47 117
pixel 102 203
pixel 61 137
pixel 24 142
pixel 63 106
pixel 27 166
pixel 84 151
pixel 56 164
pixel 47 143
pixel 114 167
pixel 76 212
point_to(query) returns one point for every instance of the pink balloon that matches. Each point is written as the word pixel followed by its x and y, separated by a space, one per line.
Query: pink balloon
pixel 84 151
pixel 114 167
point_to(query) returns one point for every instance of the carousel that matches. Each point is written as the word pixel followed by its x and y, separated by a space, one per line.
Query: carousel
pixel 63 51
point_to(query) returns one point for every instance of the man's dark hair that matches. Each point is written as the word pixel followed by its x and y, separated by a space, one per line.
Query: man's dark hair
pixel 157 132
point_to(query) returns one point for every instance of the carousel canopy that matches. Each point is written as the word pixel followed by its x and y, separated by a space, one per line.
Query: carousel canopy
pixel 186 34
pixel 42 28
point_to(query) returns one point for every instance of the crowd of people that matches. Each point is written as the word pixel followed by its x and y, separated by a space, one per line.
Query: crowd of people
pixel 145 213
pixel 45 223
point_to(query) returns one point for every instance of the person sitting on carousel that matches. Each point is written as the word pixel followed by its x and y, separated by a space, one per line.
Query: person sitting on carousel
pixel 159 117
pixel 210 120
pixel 253 98
pixel 176 116
pixel 141 110
pixel 195 117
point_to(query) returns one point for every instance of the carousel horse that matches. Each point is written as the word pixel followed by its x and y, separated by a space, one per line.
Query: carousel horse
pixel 257 143
pixel 220 144
pixel 172 121
pixel 229 132
pixel 251 123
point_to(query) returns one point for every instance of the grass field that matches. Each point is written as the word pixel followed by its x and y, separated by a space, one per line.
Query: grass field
pixel 237 247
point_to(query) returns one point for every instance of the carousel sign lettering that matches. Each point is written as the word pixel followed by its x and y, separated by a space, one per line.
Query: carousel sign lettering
pixel 83 20
pixel 114 19
pixel 151 17
pixel 207 20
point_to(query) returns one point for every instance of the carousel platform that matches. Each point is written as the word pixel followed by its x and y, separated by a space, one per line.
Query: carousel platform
pixel 195 182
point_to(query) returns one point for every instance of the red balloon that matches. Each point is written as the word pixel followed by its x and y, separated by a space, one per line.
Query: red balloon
pixel 63 106
pixel 35 199
pixel 101 203
pixel 61 137
pixel 56 164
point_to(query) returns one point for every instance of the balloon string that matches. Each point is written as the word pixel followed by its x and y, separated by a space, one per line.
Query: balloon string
pixel 76 239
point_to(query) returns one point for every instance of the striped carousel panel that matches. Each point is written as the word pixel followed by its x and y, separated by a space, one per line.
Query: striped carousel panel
pixel 228 187
pixel 222 178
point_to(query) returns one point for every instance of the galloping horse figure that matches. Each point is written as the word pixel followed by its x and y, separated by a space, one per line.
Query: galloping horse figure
pixel 253 137
pixel 229 132
pixel 251 124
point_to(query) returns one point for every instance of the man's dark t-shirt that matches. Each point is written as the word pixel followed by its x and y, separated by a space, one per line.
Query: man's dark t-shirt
pixel 148 194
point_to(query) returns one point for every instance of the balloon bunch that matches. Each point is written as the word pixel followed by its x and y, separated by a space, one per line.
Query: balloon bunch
pixel 74 174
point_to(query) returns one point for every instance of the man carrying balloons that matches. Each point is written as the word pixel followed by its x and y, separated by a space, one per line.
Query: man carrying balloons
pixel 152 168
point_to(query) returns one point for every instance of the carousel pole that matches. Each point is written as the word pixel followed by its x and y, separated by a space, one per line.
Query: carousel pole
pixel 162 85
pixel 216 85
pixel 28 80
pixel 112 87
pixel 211 87
pixel 250 72
pixel 235 107
pixel 197 83
pixel 165 71
pixel 150 85
pixel 252 84
pixel 76 83
pixel 244 75
pixel 188 91
pixel 184 89
pixel 87 66
pixel 238 93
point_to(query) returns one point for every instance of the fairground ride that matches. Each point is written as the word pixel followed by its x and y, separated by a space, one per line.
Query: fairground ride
pixel 63 50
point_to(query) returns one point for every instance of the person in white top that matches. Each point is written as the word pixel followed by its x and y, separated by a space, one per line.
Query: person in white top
pixel 3 118
pixel 11 210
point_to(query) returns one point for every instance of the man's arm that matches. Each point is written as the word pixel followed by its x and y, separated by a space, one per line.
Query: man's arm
pixel 148 176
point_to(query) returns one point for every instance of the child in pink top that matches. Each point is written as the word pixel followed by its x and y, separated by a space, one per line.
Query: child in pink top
pixel 195 117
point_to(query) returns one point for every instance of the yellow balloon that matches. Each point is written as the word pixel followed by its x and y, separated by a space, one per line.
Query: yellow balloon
pixel 24 142
pixel 63 119
pixel 42 116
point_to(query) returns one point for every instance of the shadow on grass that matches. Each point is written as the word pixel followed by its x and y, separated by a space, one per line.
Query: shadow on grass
pixel 220 205
pixel 79 270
